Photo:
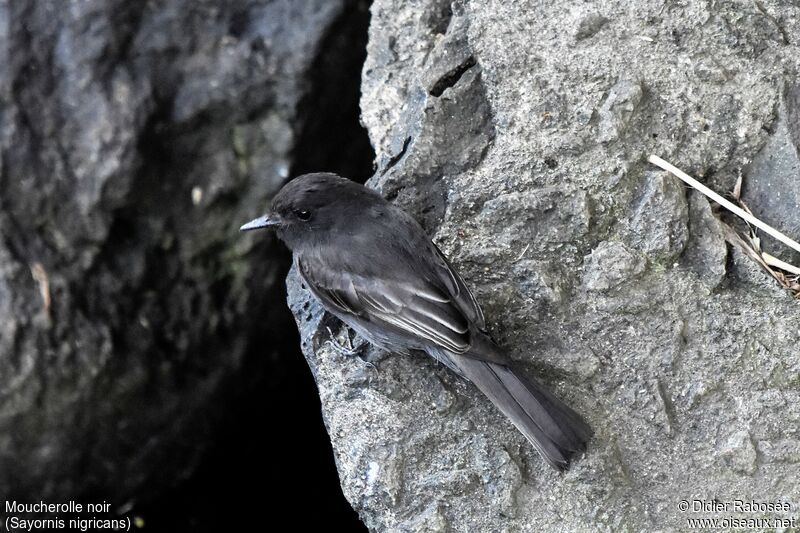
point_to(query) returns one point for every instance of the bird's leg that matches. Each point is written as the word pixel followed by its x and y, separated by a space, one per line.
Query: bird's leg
pixel 344 346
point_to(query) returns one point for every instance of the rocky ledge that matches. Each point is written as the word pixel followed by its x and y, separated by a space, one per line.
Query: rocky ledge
pixel 518 133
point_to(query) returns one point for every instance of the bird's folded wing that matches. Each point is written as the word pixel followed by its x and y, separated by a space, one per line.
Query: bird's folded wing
pixel 457 289
pixel 420 306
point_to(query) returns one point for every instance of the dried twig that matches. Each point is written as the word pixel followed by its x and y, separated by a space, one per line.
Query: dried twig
pixel 787 275
pixel 741 213
pixel 783 265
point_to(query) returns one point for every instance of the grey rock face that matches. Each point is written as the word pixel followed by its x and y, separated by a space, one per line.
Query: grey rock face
pixel 706 252
pixel 134 138
pixel 611 264
pixel 657 224
pixel 687 372
pixel 617 109
pixel 771 190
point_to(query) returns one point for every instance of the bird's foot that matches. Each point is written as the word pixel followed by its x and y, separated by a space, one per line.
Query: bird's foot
pixel 343 345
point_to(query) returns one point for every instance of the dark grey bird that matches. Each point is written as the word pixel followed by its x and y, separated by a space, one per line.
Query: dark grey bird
pixel 370 264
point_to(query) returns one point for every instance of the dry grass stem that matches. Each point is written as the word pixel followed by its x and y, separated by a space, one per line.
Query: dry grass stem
pixel 738 211
pixel 787 275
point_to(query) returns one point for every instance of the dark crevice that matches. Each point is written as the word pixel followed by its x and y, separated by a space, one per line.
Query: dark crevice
pixel 332 138
pixel 452 77
pixel 274 455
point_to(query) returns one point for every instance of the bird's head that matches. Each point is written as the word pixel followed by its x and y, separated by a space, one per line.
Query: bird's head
pixel 310 205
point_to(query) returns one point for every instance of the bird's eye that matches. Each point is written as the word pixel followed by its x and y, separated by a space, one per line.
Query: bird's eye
pixel 303 214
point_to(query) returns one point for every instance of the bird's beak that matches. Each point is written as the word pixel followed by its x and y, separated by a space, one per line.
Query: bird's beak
pixel 262 222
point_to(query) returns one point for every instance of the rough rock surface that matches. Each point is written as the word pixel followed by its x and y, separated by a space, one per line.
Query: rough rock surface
pixel 527 165
pixel 771 185
pixel 134 138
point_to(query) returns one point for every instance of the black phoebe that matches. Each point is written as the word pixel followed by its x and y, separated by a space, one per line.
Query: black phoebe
pixel 372 266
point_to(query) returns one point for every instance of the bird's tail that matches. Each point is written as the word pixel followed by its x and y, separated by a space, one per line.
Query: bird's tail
pixel 557 432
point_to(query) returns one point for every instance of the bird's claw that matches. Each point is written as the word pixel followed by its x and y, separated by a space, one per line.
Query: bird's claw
pixel 344 346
